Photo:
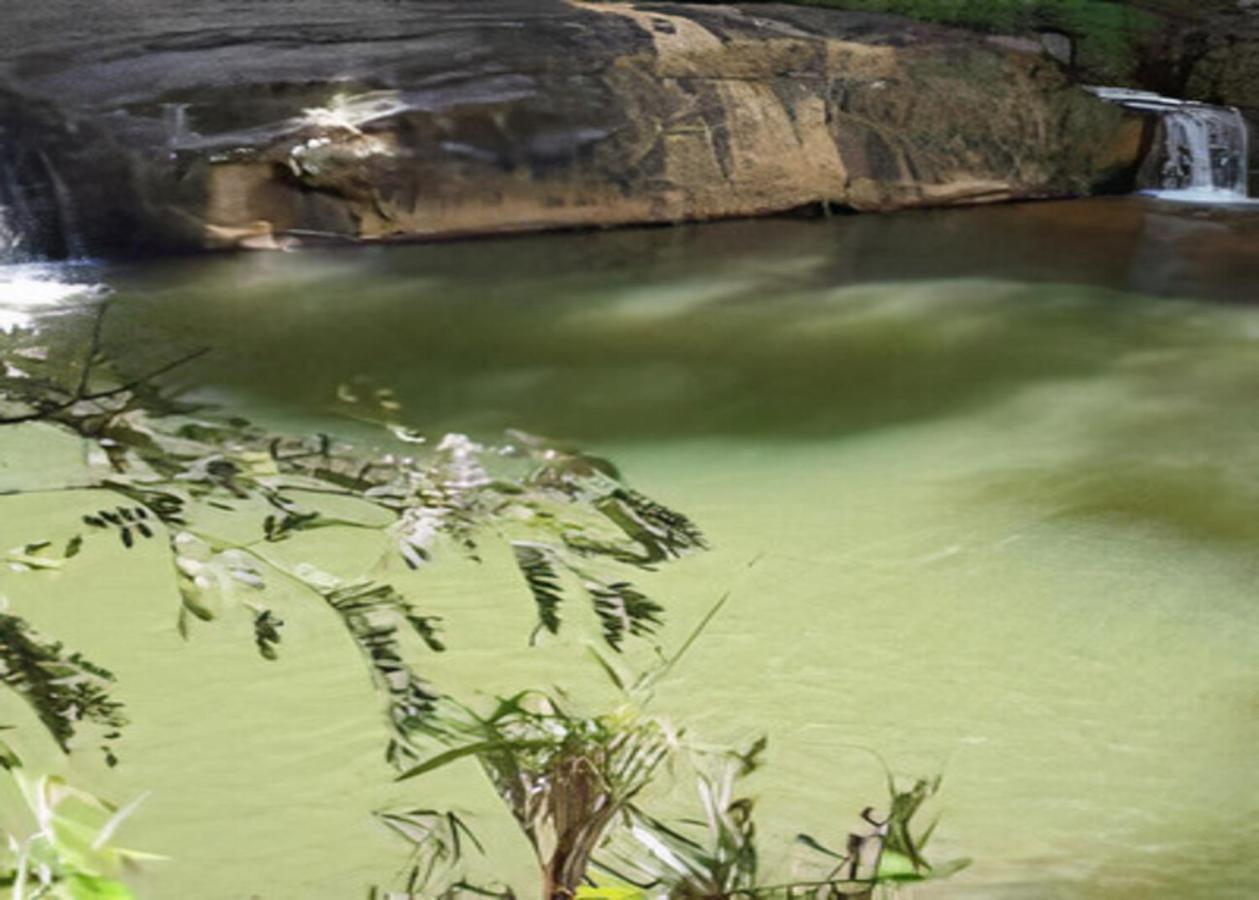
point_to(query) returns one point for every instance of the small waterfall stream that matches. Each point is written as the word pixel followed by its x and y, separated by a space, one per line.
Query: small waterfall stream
pixel 12 213
pixel 38 222
pixel 1205 154
pixel 38 218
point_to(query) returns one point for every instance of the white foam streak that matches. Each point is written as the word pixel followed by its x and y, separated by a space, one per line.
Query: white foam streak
pixel 32 290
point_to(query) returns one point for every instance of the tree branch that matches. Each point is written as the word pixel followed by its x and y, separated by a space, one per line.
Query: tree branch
pixel 156 373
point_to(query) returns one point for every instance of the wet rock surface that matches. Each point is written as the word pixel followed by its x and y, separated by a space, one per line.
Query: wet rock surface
pixel 257 124
pixel 1206 51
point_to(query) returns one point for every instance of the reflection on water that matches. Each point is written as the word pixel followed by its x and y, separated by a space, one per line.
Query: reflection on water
pixel 741 328
pixel 1002 497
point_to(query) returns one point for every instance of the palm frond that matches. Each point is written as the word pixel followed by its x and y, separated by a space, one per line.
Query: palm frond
pixel 714 856
pixel 564 777
pixel 437 839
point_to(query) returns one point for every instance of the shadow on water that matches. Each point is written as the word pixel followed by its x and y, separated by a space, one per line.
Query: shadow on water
pixel 782 327
pixel 1169 445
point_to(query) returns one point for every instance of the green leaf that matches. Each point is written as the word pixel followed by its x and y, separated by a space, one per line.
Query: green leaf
pixel 813 844
pixel 538 568
pixel 64 688
pixel 473 749
pixel 895 866
pixel 952 867
pixel 610 892
pixel 91 887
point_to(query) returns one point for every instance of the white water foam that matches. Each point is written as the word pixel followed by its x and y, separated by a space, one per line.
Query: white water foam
pixel 1205 148
pixel 31 290
pixel 1210 196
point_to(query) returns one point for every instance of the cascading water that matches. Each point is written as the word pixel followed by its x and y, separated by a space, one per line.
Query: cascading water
pixel 1205 156
pixel 11 213
pixel 38 219
pixel 31 220
pixel 1206 149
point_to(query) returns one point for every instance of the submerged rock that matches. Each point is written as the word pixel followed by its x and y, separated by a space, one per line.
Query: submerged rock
pixel 256 125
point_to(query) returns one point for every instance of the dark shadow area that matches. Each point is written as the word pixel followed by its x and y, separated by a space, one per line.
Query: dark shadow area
pixel 756 328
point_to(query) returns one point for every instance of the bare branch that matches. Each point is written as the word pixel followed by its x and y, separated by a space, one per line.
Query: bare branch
pixel 156 373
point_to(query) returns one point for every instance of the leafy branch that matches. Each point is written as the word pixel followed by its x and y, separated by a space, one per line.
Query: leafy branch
pixel 162 464
pixel 69 853
pixel 63 688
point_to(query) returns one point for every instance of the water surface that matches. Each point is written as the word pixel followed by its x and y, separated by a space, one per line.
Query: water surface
pixel 997 470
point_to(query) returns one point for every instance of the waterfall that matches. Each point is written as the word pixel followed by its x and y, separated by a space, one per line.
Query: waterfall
pixel 8 236
pixel 39 218
pixel 67 217
pixel 1206 150
pixel 1205 153
pixel 13 213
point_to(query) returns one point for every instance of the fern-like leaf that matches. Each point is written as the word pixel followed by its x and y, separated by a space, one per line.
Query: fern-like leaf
pixel 371 614
pixel 538 567
pixel 623 609
pixel 661 532
pixel 64 689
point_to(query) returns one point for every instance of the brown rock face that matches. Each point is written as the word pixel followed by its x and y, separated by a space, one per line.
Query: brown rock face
pixel 492 116
pixel 1227 72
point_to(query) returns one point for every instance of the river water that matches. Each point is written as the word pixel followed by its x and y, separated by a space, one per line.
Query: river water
pixel 997 471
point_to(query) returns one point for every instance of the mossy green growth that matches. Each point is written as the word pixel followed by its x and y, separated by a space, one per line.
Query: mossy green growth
pixel 1106 35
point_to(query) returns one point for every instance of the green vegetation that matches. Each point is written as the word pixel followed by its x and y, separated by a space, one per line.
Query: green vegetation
pixel 167 472
pixel 565 777
pixel 573 783
pixel 171 473
pixel 58 838
pixel 1106 35
pixel 62 687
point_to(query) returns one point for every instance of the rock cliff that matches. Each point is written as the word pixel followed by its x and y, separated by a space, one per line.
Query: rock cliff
pixel 259 124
